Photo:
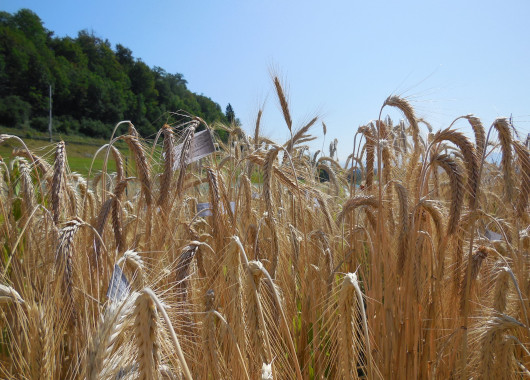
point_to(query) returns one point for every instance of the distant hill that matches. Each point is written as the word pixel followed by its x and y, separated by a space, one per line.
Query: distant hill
pixel 94 85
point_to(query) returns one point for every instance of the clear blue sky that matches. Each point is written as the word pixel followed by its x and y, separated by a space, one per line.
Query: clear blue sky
pixel 340 59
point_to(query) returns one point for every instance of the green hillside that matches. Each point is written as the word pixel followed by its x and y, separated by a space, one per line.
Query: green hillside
pixel 94 84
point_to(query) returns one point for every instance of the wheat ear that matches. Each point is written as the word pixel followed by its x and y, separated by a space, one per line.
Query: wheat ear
pixel 133 259
pixel 8 294
pixel 505 138
pixel 183 271
pixel 120 175
pixel 235 290
pixel 523 156
pixel 174 338
pixel 101 222
pixel 116 215
pixel 39 344
pixel 298 136
pixel 142 167
pixel 403 241
pixel 368 350
pixel 470 156
pixel 267 180
pixel 146 333
pixel 40 163
pixel 283 103
pixel 456 180
pixel 215 202
pixel 285 324
pixel 184 155
pixel 102 343
pixel 354 202
pixel 64 261
pixel 480 134
pixel 209 341
pixel 167 175
pixel 404 106
pixel 257 327
pixel 370 155
pixel 58 177
pixel 476 261
pixel 256 129
pixel 348 351
pixel 26 188
pixel 493 328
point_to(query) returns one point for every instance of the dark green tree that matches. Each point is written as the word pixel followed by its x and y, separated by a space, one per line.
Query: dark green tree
pixel 230 114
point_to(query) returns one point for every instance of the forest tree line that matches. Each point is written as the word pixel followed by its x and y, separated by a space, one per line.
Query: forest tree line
pixel 94 86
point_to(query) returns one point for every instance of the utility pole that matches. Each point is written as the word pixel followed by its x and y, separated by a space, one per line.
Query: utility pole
pixel 50 124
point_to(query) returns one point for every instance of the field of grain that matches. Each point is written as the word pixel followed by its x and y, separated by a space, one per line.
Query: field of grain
pixel 420 273
pixel 80 149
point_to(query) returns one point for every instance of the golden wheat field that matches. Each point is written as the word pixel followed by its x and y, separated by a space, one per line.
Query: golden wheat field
pixel 420 273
